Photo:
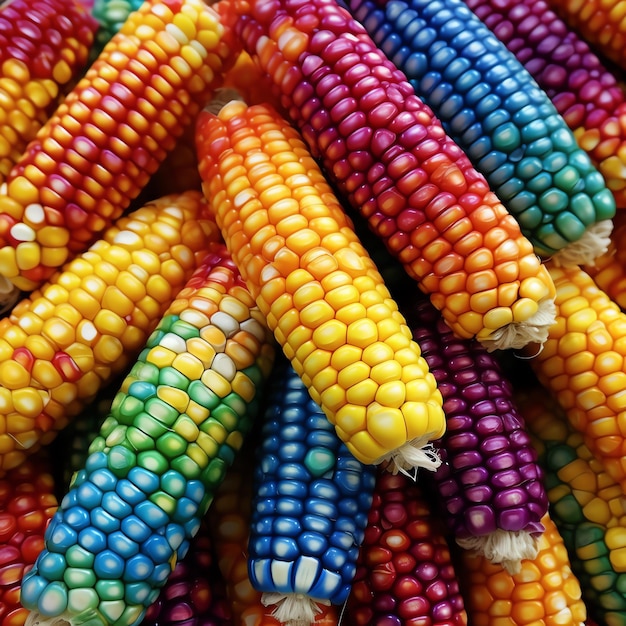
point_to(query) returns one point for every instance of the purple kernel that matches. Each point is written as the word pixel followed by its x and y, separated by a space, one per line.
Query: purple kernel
pixel 513 519
pixel 488 425
pixel 478 494
pixel 480 520
pixel 503 480
pixel 494 444
pixel 510 498
pixel 475 476
pixel 470 458
pixel 467 440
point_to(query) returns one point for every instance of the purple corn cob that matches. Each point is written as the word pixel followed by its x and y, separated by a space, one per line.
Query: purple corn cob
pixel 489 480
pixel 581 86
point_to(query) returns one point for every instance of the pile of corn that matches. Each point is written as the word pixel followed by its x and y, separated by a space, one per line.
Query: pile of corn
pixel 312 313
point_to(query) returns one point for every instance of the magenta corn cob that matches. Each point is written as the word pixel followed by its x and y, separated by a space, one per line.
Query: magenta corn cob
pixel 581 86
pixel 489 479
pixel 98 150
pixel 390 156
pixel 44 47
pixel 405 574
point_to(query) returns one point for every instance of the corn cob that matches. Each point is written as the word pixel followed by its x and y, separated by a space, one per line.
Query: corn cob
pixel 383 148
pixel 179 417
pixel 310 508
pixel 44 46
pixel 582 364
pixel 489 479
pixel 493 108
pixel 194 594
pixel 317 287
pixel 98 150
pixel 405 573
pixel 579 84
pixel 544 593
pixel 27 503
pixel 64 342
pixel 586 504
pixel 111 16
pixel 601 24
pixel 609 270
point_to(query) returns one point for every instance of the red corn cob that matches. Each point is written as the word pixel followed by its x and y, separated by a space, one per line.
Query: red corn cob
pixel 98 150
pixel 405 573
pixel 582 88
pixel 489 479
pixel 385 150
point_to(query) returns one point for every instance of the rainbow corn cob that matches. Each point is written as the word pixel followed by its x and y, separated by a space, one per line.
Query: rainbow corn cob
pixel 310 508
pixel 405 574
pixel 98 150
pixel 582 365
pixel 384 149
pixel 582 89
pixel 545 592
pixel 601 24
pixel 493 108
pixel 489 479
pixel 175 425
pixel 62 344
pixel 27 504
pixel 44 46
pixel 587 506
pixel 317 287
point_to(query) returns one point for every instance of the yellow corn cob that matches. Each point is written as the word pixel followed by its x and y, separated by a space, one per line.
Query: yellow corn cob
pixel 609 270
pixel 545 592
pixel 62 344
pixel 583 365
pixel 317 286
pixel 102 144
pixel 43 48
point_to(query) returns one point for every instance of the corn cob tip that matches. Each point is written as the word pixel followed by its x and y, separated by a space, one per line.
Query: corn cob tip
pixel 293 609
pixel 221 98
pixel 409 458
pixel 506 548
pixel 593 244
pixel 9 294
pixel 518 335
pixel 35 618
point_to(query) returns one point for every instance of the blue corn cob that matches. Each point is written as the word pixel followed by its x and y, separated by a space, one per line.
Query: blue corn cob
pixel 493 108
pixel 174 427
pixel 310 509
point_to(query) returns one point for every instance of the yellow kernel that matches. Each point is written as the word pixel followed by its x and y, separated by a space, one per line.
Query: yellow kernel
pixel 333 397
pixel 330 335
pixel 107 322
pixel 386 371
pixel 108 349
pixel 13 375
pixel 27 255
pixel 362 332
pixel 351 419
pixel 391 394
pixel 316 313
pixel 524 309
pixel 176 398
pixel 28 402
pixel 498 317
pixel 216 382
pixel 59 331
pixel 387 426
pixel 363 393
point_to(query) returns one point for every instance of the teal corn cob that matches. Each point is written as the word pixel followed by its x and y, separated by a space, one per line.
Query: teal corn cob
pixel 110 15
pixel 493 108
pixel 174 428
pixel 310 508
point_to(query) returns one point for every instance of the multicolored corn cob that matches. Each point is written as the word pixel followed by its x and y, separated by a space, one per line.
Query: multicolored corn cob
pixel 67 340
pixel 582 89
pixel 586 504
pixel 489 480
pixel 44 47
pixel 601 23
pixel 582 365
pixel 194 594
pixel 383 148
pixel 310 506
pixel 493 108
pixel 175 426
pixel 405 574
pixel 609 270
pixel 99 149
pixel 545 592
pixel 317 286
pixel 27 504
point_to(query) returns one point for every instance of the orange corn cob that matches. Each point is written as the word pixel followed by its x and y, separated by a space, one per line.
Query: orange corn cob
pixel 43 48
pixel 544 592
pixel 583 364
pixel 317 286
pixel 609 270
pixel 62 344
pixel 98 150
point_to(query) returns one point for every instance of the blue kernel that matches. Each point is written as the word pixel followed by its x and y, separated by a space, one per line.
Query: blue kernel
pixel 294 488
pixel 122 545
pixel 501 175
pixel 62 537
pixel 317 523
pixel 263 525
pixel 347 506
pixel 104 479
pixel 289 506
pixel 468 81
pixel 293 431
pixel 479 148
pixel 52 565
pixel 265 505
pixel 135 529
pixel 439 95
pixel 77 517
pixel 160 574
pixel 442 58
pixel 285 548
pixel 173 483
pixel 151 514
pixel 312 543
pixel 144 479
pixel 175 535
pixel 424 39
pixel 450 109
pixel 104 521
pixel 138 567
pixel 325 489
pixel 268 489
pixel 415 65
pixel 138 593
pixel 293 451
pixel 289 526
pixel 334 558
pixel 32 587
pixel 269 464
pixel 529 217
pixel 108 564
pixel 580 160
pixel 525 113
pixel 195 490
pixel 261 573
pixel 113 504
pixel 539 183
pixel 428 83
pixel 451 28
pixel 507 87
pixel 487 104
pixel 341 540
pixel 292 471
pixel 89 495
pixel 473 132
pixel 92 539
pixel 326 585
pixel 495 119
pixel 319 506
pixel 95 461
pixel 186 509
pixel 349 482
pixel 528 167
pixel 261 547
pixel 391 43
pixel 491 161
pixel 343 591
pixel 322 438
pixel 157 549
pixel 192 526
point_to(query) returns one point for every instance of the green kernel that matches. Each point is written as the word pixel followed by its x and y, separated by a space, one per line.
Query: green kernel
pixel 153 461
pixel 171 445
pixel 82 599
pixel 174 483
pixel 121 460
pixel 185 329
pixel 319 461
pixel 173 378
pixel 139 440
pixel 75 577
pixel 162 411
pixel 201 394
pixel 164 501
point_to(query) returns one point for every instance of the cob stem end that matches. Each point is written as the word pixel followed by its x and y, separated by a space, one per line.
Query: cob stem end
pixel 293 609
pixel 9 294
pixel 507 548
pixel 520 334
pixel 594 243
